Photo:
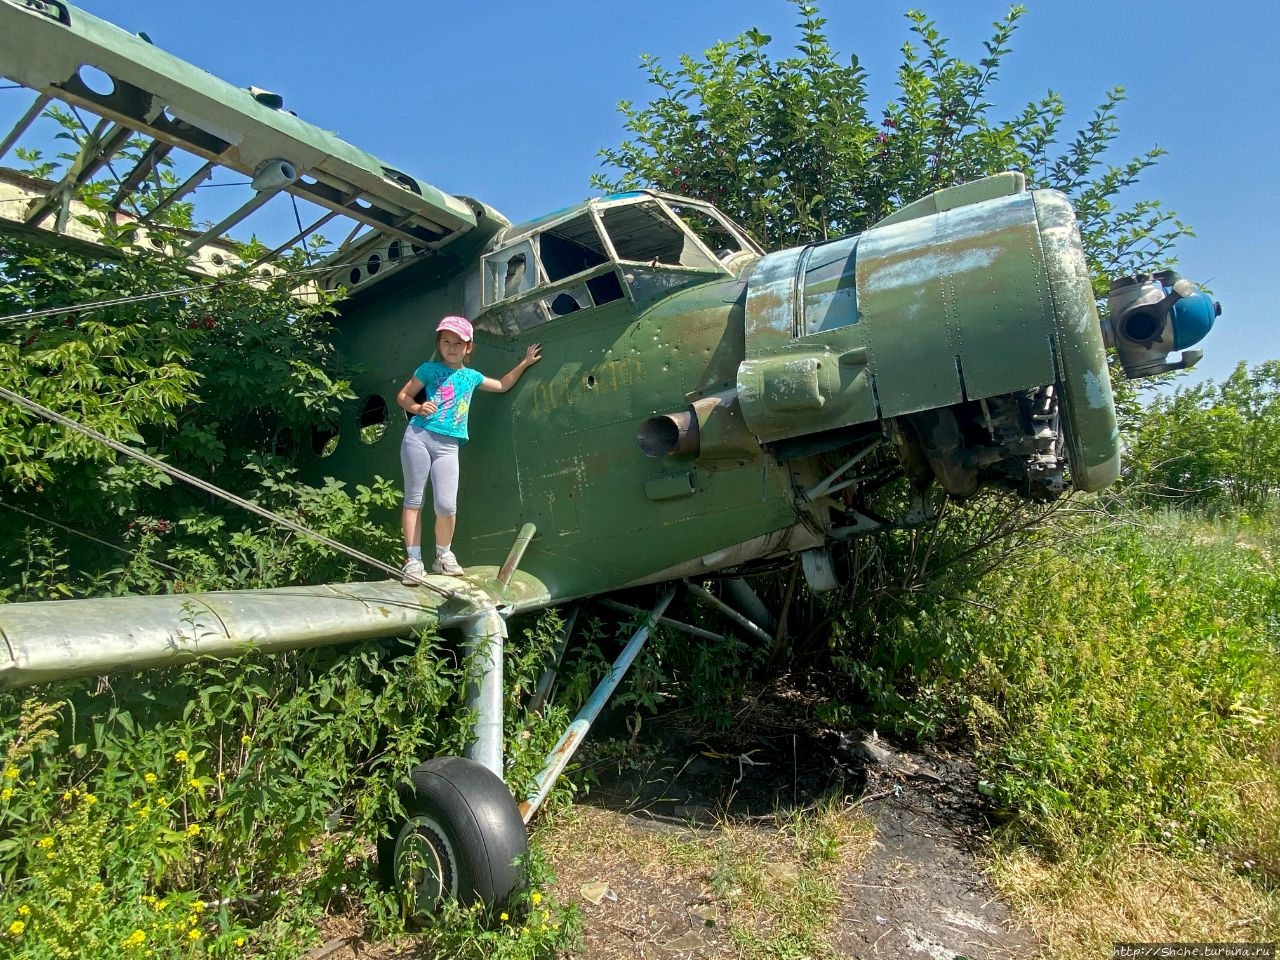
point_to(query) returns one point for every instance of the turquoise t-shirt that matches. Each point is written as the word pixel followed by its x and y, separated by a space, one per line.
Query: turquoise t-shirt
pixel 451 390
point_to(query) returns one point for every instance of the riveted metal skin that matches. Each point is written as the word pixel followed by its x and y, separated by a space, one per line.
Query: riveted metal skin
pixel 691 386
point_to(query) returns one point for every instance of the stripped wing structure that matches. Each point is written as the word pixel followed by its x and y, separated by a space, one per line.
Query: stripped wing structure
pixel 150 129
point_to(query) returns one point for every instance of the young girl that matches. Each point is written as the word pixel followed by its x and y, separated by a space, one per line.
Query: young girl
pixel 437 427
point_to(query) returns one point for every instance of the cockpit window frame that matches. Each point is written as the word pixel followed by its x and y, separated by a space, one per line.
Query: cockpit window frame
pixel 500 262
pixel 529 306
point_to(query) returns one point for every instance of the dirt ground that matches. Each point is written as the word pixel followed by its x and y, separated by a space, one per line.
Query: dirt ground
pixel 693 845
pixel 910 883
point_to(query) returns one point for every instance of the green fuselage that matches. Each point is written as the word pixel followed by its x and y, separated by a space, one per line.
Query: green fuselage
pixel 559 450
pixel 961 334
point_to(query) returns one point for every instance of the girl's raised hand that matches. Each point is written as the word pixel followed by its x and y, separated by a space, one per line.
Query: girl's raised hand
pixel 533 354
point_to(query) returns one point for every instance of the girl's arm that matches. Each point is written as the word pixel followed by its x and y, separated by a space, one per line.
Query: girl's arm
pixel 531 356
pixel 410 405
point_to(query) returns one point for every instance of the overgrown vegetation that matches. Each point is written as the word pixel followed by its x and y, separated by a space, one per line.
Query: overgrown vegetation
pixel 1213 446
pixel 228 808
pixel 1116 671
pixel 1114 665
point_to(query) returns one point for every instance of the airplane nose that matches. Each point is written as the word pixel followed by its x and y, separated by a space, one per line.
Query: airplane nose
pixel 976 293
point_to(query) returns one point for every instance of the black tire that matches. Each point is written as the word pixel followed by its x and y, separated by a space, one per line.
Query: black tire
pixel 461 841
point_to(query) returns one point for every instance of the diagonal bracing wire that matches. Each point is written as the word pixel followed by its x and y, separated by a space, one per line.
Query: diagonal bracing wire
pixel 54 416
pixel 80 533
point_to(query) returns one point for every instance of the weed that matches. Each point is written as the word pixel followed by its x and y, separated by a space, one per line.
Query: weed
pixel 226 807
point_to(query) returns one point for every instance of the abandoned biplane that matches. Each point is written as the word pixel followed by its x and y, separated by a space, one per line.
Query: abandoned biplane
pixel 702 405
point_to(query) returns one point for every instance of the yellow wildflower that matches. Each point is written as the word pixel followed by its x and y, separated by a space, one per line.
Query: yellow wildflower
pixel 181 756
pixel 535 898
pixel 90 799
pixel 149 777
pixel 246 740
pixel 193 830
pixel 162 802
pixel 16 928
pixel 193 934
pixel 6 793
pixel 503 916
pixel 239 942
pixel 135 939
pixel 196 783
pixel 11 773
pixel 44 843
pixel 24 911
pixel 198 906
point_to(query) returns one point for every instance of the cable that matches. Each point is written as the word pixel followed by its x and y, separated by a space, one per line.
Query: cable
pixel 297 218
pixel 209 488
pixel 86 536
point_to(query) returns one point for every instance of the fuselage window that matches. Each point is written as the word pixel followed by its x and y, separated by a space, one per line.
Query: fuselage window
pixel 515 276
pixel 510 272
pixel 568 260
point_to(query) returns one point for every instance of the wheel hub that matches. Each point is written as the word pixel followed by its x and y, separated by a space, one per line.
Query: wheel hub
pixel 426 868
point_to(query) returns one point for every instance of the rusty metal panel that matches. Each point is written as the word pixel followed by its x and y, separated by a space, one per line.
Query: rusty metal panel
pixel 830 288
pixel 771 317
pixel 805 391
pixel 902 301
pixel 955 305
pixel 1003 312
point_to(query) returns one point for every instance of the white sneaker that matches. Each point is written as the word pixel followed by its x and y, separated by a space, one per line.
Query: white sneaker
pixel 412 572
pixel 448 564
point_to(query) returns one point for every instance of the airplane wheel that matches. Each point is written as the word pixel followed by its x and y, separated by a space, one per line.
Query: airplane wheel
pixel 460 841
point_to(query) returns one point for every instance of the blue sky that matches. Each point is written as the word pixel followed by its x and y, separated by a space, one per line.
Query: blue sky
pixel 509 102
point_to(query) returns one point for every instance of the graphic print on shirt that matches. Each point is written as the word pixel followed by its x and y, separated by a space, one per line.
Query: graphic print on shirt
pixel 445 395
pixel 451 391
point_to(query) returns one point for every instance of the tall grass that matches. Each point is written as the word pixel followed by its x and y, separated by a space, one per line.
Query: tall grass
pixel 1129 683
pixel 1125 697
pixel 227 809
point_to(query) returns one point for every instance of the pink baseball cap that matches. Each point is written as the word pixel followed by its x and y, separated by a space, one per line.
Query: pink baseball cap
pixel 459 325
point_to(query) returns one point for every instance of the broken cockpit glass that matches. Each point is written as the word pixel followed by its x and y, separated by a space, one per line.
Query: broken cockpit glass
pixel 607 250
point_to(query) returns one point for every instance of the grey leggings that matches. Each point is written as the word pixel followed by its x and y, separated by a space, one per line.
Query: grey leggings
pixel 424 453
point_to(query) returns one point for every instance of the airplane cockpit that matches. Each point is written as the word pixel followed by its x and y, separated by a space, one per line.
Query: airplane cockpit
pixel 626 247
